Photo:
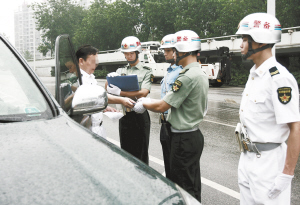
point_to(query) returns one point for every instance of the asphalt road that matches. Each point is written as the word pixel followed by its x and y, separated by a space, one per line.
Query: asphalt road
pixel 219 160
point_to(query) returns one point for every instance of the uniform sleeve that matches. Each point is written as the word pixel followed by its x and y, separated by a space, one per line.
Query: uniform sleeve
pixel 146 84
pixel 285 97
pixel 119 70
pixel 179 92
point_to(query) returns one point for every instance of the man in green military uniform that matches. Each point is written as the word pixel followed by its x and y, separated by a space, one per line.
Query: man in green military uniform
pixel 134 129
pixel 187 105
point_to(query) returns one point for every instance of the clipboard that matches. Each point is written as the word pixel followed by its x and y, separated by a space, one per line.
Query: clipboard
pixel 125 83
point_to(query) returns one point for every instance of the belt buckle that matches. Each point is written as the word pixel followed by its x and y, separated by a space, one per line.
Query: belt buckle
pixel 160 118
pixel 245 144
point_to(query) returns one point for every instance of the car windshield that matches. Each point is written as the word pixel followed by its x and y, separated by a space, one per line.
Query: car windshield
pixel 20 97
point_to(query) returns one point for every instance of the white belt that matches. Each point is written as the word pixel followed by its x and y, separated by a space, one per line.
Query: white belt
pixel 181 131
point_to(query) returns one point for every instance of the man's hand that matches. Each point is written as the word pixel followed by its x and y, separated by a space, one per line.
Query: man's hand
pixel 127 102
pixel 282 181
pixel 139 108
pixel 113 74
pixel 112 89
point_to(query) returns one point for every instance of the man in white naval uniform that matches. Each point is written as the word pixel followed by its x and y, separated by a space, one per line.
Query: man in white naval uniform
pixel 269 112
pixel 88 60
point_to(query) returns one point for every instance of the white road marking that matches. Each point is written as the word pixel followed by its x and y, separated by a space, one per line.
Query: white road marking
pixel 205 181
pixel 219 123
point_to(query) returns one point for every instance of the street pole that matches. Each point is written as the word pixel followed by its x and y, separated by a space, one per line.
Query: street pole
pixel 271 4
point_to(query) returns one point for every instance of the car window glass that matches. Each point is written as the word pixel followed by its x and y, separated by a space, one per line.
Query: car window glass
pixel 19 95
pixel 68 70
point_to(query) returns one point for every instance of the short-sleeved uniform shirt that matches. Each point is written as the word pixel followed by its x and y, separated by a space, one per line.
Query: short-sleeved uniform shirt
pixel 270 101
pixel 169 79
pixel 188 98
pixel 144 74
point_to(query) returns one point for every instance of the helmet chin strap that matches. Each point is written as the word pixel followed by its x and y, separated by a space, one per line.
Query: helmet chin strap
pixel 178 58
pixel 252 51
pixel 170 60
pixel 136 58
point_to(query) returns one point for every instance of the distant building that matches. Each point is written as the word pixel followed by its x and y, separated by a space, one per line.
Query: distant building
pixel 27 38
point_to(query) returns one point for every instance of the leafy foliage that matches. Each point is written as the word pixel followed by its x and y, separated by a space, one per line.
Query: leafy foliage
pixel 239 73
pixel 55 18
pixel 101 73
pixel 107 22
pixel 27 55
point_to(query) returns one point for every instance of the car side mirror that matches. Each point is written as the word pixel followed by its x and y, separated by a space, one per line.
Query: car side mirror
pixel 89 99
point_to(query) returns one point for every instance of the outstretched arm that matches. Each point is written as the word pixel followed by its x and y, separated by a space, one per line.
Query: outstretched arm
pixel 127 102
pixel 157 106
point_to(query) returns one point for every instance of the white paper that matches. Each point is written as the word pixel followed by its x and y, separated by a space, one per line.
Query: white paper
pixel 114 116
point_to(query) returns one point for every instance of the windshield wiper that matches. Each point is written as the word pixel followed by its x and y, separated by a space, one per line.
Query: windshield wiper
pixel 11 119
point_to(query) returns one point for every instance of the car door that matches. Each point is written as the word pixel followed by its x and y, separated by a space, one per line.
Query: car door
pixel 67 72
pixel 68 79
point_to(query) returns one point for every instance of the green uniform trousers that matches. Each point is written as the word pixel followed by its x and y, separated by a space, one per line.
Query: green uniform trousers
pixel 186 150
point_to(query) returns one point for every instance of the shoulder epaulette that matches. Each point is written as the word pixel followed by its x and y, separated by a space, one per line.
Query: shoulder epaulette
pixel 183 71
pixel 273 71
pixel 146 67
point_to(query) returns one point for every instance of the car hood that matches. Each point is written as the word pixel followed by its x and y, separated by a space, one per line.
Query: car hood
pixel 57 161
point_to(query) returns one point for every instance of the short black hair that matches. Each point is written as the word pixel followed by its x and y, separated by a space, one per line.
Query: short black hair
pixel 251 39
pixel 84 51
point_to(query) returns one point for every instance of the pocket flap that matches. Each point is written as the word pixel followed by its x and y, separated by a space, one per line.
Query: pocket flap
pixel 258 99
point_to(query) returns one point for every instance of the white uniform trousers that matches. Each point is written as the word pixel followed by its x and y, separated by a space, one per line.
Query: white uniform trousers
pixel 257 175
pixel 97 125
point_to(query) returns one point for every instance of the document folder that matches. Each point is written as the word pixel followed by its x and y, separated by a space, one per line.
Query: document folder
pixel 125 83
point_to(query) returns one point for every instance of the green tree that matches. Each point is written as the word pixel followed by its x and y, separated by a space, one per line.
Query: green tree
pixel 106 24
pixel 197 15
pixel 288 13
pixel 159 16
pixel 27 55
pixel 55 18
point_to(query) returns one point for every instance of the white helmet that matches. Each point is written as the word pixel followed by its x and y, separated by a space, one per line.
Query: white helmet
pixel 168 41
pixel 187 41
pixel 262 27
pixel 131 44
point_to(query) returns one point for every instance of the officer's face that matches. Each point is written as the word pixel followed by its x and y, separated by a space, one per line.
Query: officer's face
pixel 90 64
pixel 245 46
pixel 130 56
pixel 168 53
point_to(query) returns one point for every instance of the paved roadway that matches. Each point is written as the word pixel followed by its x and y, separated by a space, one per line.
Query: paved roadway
pixel 219 160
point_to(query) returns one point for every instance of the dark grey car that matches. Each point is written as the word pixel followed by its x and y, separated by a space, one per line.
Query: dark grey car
pixel 48 158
